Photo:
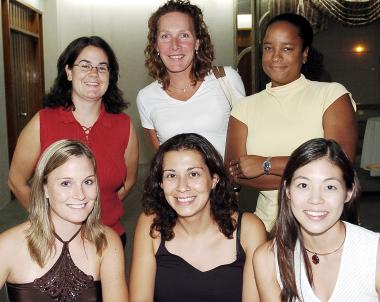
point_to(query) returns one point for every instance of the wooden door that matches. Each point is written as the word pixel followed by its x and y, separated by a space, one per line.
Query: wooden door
pixel 23 65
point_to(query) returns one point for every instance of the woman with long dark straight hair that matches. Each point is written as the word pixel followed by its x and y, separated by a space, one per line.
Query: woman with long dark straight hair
pixel 314 253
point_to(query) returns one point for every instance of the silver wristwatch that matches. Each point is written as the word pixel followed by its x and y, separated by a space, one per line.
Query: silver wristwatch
pixel 267 165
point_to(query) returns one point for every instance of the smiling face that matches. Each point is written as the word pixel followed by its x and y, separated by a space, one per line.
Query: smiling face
pixel 72 190
pixel 317 195
pixel 187 183
pixel 176 42
pixel 282 53
pixel 89 85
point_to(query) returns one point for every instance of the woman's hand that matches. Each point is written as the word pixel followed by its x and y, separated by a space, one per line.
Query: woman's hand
pixel 248 166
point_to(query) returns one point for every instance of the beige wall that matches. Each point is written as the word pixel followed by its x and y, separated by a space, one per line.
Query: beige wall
pixel 124 25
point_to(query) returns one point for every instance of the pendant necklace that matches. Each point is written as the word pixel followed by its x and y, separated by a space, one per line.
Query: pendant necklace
pixel 181 89
pixel 315 257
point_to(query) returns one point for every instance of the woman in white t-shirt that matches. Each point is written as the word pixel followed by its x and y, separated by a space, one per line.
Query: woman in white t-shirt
pixel 314 254
pixel 186 96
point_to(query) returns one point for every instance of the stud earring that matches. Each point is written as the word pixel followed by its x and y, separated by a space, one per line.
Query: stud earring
pixel 158 53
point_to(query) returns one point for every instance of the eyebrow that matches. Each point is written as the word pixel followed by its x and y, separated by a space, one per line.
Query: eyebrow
pixel 87 61
pixel 188 169
pixel 327 179
pixel 67 178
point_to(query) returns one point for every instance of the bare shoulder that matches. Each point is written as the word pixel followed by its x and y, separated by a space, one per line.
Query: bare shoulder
pixel 144 222
pixel 253 233
pixel 264 252
pixel 13 239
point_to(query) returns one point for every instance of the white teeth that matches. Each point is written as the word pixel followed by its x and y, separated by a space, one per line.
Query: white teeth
pixel 185 199
pixel 316 213
pixel 92 84
pixel 77 206
pixel 176 57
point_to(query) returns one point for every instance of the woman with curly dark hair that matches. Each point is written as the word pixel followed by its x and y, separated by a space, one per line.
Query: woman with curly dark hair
pixel 186 96
pixel 85 104
pixel 191 233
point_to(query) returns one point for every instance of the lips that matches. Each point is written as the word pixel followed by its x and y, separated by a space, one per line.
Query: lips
pixel 185 200
pixel 176 57
pixel 77 206
pixel 316 214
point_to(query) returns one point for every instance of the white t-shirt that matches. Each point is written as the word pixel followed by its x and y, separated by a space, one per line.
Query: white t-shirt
pixel 206 113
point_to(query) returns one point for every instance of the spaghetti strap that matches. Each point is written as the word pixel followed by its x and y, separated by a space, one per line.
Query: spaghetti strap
pixel 238 231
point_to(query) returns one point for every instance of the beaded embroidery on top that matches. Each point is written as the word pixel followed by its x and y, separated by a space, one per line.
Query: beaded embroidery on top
pixel 64 282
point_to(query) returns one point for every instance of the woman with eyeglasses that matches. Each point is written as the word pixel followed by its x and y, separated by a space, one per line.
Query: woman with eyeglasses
pixel 85 104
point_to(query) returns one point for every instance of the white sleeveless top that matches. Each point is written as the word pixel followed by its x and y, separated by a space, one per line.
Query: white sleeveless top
pixel 357 271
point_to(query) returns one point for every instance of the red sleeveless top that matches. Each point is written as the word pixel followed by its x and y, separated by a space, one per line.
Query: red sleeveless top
pixel 107 139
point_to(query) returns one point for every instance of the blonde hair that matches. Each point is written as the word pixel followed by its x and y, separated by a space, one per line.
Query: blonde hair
pixel 40 234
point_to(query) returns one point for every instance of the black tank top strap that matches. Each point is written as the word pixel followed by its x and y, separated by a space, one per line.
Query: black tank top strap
pixel 238 228
pixel 68 241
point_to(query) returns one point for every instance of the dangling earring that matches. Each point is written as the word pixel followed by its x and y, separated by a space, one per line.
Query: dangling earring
pixel 158 53
pixel 196 52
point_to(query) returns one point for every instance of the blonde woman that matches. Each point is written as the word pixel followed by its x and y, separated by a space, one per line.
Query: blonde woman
pixel 63 252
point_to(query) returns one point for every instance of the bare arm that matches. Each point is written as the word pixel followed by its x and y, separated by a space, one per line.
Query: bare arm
pixel 152 135
pixel 24 160
pixel 265 274
pixel 378 271
pixel 4 254
pixel 143 267
pixel 112 273
pixel 131 157
pixel 246 169
pixel 339 124
pixel 253 235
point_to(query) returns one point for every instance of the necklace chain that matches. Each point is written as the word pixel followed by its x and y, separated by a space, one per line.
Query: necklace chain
pixel 315 258
pixel 181 89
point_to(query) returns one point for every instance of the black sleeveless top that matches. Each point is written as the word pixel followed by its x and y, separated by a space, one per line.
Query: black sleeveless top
pixel 64 282
pixel 177 280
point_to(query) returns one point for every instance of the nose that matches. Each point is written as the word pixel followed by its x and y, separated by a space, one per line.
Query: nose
pixel 78 192
pixel 174 44
pixel 94 69
pixel 316 196
pixel 182 184
pixel 276 57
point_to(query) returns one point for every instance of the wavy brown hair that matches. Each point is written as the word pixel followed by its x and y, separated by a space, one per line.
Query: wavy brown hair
pixel 202 62
pixel 287 229
pixel 222 197
pixel 40 235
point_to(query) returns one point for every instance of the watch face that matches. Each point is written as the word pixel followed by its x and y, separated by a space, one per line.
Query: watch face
pixel 267 166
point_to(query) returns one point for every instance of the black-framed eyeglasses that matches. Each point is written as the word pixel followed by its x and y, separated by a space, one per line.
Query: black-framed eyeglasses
pixel 87 67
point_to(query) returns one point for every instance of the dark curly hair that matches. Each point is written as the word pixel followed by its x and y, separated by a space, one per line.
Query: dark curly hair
pixel 202 62
pixel 222 198
pixel 60 94
pixel 287 229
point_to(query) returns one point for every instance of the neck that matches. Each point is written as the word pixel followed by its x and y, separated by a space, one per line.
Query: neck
pixel 180 79
pixel 326 241
pixel 86 113
pixel 196 226
pixel 66 231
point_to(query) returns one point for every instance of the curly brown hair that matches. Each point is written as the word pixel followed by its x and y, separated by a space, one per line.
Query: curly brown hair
pixel 202 62
pixel 222 198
